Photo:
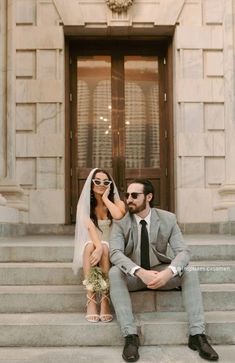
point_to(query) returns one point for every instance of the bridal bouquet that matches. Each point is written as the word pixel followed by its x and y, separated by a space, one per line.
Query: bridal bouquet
pixel 96 281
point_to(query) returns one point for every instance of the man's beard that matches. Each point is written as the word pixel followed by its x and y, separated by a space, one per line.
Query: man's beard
pixel 134 210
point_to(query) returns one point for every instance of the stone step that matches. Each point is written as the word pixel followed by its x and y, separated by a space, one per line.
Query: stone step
pixel 60 273
pixel 9 230
pixel 30 299
pixel 38 273
pixel 212 272
pixel 36 249
pixel 211 247
pixel 71 329
pixel 148 354
pixel 56 248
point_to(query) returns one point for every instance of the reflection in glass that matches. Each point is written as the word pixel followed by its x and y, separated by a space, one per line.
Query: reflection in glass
pixel 142 147
pixel 94 112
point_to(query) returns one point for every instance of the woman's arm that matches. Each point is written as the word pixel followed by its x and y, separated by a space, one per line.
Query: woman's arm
pixel 97 253
pixel 93 234
pixel 117 209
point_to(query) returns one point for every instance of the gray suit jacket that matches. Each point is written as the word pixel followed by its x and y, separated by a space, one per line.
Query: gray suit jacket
pixel 164 230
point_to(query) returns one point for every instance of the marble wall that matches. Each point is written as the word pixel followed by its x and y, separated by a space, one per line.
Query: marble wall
pixel 203 63
pixel 203 98
pixel 39 109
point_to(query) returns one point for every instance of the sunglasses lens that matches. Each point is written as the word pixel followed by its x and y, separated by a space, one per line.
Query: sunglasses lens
pixel 133 195
pixel 106 183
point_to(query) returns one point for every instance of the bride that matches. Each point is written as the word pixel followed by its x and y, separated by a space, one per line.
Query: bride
pixel 98 204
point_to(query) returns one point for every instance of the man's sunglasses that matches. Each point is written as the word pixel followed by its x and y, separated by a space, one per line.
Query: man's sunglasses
pixel 98 182
pixel 133 195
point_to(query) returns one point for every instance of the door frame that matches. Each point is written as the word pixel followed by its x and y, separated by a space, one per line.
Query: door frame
pixel 166 102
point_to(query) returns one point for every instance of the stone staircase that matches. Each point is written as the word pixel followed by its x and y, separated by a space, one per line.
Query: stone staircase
pixel 42 306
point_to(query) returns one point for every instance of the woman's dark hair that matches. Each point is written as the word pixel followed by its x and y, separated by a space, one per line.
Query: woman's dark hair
pixel 148 188
pixel 93 201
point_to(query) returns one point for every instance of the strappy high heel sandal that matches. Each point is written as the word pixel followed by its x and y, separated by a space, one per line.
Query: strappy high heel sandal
pixel 105 318
pixel 92 318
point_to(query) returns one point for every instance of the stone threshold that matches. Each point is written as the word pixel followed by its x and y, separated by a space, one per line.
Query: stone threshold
pixel 23 229
pixel 208 228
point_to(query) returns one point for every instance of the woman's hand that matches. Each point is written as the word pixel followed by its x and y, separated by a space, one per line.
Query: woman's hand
pixel 96 256
pixel 117 208
pixel 106 193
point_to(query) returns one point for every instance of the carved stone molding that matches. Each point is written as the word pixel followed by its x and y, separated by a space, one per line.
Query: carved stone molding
pixel 118 6
pixel 3 200
pixel 14 195
pixel 69 11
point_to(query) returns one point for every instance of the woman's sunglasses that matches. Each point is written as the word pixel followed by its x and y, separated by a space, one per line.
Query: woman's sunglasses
pixel 98 182
pixel 133 195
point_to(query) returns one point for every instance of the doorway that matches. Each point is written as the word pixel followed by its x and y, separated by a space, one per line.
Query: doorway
pixel 119 119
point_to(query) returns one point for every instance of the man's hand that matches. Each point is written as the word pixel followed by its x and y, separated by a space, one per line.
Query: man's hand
pixel 161 279
pixel 154 279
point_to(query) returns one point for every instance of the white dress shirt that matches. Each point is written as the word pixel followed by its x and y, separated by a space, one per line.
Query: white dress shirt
pixel 147 220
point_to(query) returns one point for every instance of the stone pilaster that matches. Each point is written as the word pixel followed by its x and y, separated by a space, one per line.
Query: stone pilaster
pixel 226 193
pixel 12 195
pixel 3 50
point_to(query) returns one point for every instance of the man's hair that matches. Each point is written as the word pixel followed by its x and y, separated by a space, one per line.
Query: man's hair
pixel 148 188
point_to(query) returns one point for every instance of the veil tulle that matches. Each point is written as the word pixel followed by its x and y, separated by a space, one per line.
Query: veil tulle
pixel 82 221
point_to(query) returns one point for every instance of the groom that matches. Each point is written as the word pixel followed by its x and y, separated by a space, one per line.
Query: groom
pixel 138 245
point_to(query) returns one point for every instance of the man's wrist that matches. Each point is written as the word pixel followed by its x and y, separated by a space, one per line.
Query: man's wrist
pixel 133 270
pixel 138 272
pixel 173 270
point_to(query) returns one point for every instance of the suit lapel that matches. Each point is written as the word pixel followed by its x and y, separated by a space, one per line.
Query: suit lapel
pixel 154 227
pixel 135 232
pixel 134 238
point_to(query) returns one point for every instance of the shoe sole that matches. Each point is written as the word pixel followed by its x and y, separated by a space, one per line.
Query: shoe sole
pixel 131 359
pixel 90 320
pixel 193 347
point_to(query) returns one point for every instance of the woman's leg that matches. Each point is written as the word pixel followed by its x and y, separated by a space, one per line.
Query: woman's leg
pixel 105 310
pixel 104 262
pixel 92 313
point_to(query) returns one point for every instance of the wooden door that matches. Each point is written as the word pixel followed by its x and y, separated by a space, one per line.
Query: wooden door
pixel 119 117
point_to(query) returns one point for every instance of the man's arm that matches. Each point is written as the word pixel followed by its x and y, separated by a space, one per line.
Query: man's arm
pixel 117 249
pixel 179 248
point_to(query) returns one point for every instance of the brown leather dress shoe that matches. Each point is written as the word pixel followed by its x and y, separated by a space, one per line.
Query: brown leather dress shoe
pixel 130 351
pixel 199 342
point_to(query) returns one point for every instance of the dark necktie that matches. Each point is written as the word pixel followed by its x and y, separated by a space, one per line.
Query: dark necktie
pixel 144 246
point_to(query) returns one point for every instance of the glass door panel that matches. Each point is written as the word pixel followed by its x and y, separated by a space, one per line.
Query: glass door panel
pixel 142 112
pixel 94 124
pixel 142 119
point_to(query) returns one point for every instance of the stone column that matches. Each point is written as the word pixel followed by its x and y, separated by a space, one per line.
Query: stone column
pixel 227 191
pixel 3 50
pixel 11 105
pixel 12 195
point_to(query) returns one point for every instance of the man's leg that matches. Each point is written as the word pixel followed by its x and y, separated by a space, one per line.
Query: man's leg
pixel 120 285
pixel 192 300
pixel 192 297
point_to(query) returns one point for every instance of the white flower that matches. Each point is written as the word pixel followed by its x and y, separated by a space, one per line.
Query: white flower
pixel 96 280
pixel 104 285
pixel 89 287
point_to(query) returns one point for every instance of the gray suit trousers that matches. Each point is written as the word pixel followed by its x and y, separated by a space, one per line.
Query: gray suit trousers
pixel 121 284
